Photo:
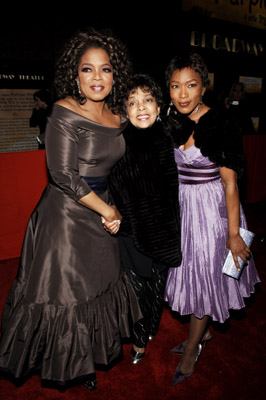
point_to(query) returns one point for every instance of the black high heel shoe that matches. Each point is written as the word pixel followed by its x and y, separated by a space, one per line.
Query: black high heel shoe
pixel 180 348
pixel 91 382
pixel 136 356
pixel 179 376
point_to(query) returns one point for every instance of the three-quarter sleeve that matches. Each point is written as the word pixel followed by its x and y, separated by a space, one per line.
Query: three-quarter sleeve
pixel 62 158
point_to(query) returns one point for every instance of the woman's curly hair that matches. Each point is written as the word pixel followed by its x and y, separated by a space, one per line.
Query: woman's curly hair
pixel 187 60
pixel 68 63
pixel 147 84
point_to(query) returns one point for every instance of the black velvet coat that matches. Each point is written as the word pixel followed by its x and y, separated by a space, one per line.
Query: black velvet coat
pixel 144 187
pixel 217 134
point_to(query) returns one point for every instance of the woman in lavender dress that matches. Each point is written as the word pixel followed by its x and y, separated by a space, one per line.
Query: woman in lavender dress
pixel 209 158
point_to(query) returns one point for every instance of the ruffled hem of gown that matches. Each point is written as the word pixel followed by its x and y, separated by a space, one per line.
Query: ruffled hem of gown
pixel 67 341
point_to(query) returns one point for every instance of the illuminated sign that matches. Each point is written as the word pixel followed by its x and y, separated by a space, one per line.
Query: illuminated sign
pixel 21 77
pixel 245 12
pixel 225 43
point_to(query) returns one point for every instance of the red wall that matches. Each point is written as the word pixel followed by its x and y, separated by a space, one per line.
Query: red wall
pixel 23 177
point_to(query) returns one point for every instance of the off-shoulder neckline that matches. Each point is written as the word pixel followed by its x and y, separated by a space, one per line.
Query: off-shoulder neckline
pixel 123 120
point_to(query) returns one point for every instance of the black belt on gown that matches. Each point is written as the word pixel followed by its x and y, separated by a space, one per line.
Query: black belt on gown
pixel 97 183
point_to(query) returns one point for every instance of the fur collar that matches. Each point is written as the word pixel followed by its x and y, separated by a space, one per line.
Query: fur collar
pixel 142 138
pixel 217 134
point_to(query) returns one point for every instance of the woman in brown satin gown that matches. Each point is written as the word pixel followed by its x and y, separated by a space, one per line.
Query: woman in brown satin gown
pixel 71 303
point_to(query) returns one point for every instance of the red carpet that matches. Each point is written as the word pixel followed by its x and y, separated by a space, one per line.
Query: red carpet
pixel 232 366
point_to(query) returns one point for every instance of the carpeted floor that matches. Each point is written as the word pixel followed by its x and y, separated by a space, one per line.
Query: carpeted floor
pixel 232 366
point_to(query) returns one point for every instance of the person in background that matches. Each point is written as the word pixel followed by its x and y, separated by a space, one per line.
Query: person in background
pixel 144 188
pixel 40 113
pixel 209 156
pixel 237 105
pixel 71 303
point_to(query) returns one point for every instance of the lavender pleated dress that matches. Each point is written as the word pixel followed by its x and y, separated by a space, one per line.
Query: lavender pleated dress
pixel 198 285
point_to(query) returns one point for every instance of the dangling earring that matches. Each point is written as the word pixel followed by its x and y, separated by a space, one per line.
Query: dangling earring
pixel 113 92
pixel 158 118
pixel 78 85
pixel 169 108
pixel 196 109
pixel 112 87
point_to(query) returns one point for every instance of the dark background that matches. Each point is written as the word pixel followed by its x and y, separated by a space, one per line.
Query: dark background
pixel 30 39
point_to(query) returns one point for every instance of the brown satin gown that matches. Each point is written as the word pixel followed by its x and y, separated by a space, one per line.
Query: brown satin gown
pixel 70 303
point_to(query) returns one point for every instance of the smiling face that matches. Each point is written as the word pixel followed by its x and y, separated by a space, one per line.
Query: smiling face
pixel 95 74
pixel 186 90
pixel 142 108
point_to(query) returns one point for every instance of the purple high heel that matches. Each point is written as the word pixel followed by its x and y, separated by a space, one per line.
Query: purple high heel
pixel 179 376
pixel 180 349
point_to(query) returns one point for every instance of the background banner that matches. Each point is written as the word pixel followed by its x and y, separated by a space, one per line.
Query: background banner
pixel 15 111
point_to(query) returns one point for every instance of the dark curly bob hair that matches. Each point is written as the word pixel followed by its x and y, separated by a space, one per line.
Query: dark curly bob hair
pixel 68 63
pixel 147 84
pixel 187 60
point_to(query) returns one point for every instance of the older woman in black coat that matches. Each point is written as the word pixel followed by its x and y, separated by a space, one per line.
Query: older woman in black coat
pixel 144 187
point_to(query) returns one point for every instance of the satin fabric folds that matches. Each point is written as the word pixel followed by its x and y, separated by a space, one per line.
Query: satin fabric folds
pixel 70 303
pixel 198 286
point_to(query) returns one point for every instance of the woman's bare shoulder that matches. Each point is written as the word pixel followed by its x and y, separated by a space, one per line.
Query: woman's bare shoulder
pixel 68 102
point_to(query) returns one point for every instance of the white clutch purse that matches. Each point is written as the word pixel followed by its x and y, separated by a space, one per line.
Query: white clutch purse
pixel 229 267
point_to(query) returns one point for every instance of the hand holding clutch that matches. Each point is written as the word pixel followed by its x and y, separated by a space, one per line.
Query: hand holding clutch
pixel 229 267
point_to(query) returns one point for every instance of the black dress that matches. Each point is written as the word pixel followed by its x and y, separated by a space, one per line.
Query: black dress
pixel 144 187
pixel 70 303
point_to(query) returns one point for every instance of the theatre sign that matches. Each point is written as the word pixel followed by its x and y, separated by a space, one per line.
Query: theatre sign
pixel 245 12
pixel 21 77
pixel 223 42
